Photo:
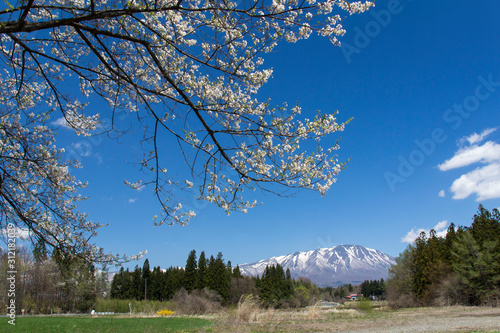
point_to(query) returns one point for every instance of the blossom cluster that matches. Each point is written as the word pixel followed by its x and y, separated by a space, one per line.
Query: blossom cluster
pixel 38 193
pixel 189 68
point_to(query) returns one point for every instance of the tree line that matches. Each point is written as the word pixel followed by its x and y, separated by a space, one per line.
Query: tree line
pixel 368 288
pixel 373 288
pixel 461 268
pixel 50 283
pixel 158 284
pixel 275 288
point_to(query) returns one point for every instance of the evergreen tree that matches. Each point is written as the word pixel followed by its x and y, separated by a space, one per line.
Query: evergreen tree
pixel 220 277
pixel 365 288
pixel 478 268
pixel 421 260
pixel 202 272
pixel 127 285
pixel 340 292
pixel 190 272
pixel 173 282
pixel 274 287
pixel 210 274
pixel 382 289
pixel 146 273
pixel 236 272
pixel 451 236
pixel 373 288
pixel 155 284
pixel 117 286
pixel 137 290
pixel 486 227
pixel 289 288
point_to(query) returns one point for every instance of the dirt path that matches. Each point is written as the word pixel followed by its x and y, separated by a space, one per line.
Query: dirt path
pixel 447 319
pixel 436 320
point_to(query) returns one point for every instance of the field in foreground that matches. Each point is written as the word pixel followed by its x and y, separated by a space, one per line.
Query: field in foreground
pixel 445 319
pixel 75 324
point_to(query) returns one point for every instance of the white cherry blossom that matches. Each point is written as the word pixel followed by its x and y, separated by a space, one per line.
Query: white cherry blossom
pixel 189 68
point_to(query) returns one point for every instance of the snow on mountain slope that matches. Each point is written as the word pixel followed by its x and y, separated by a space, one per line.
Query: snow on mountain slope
pixel 330 266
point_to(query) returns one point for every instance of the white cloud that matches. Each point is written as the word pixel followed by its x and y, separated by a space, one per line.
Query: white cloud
pixel 61 122
pixel 441 228
pixel 476 138
pixel 487 153
pixel 132 200
pixel 441 194
pixel 484 181
pixel 99 158
pixel 83 148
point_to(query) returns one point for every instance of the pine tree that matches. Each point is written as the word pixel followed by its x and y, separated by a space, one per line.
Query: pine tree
pixel 382 289
pixel 116 290
pixel 137 284
pixel 173 282
pixel 146 273
pixel 202 272
pixel 127 285
pixel 486 227
pixel 422 260
pixel 220 277
pixel 236 272
pixel 190 272
pixel 478 268
pixel 365 288
pixel 210 273
pixel 155 284
pixel 274 287
pixel 451 236
pixel 289 287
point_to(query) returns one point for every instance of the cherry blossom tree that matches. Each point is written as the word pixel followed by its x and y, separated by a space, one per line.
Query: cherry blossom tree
pixel 187 68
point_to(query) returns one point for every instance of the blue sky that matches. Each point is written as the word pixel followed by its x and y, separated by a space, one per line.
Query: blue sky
pixel 419 78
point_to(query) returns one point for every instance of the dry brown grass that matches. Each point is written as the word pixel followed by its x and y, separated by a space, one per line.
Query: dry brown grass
pixel 317 319
pixel 197 302
pixel 313 311
pixel 248 309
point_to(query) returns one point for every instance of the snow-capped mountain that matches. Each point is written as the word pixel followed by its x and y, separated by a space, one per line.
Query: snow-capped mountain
pixel 330 266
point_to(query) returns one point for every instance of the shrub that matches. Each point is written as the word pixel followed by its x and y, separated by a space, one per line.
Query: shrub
pixel 240 287
pixel 165 312
pixel 122 306
pixel 364 305
pixel 401 301
pixel 197 302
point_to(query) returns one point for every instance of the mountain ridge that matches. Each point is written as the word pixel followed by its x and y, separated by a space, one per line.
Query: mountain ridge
pixel 334 266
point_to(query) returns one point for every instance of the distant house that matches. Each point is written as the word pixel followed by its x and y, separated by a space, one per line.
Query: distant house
pixel 354 297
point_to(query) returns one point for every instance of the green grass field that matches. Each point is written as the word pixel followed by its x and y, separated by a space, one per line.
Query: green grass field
pixel 103 324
